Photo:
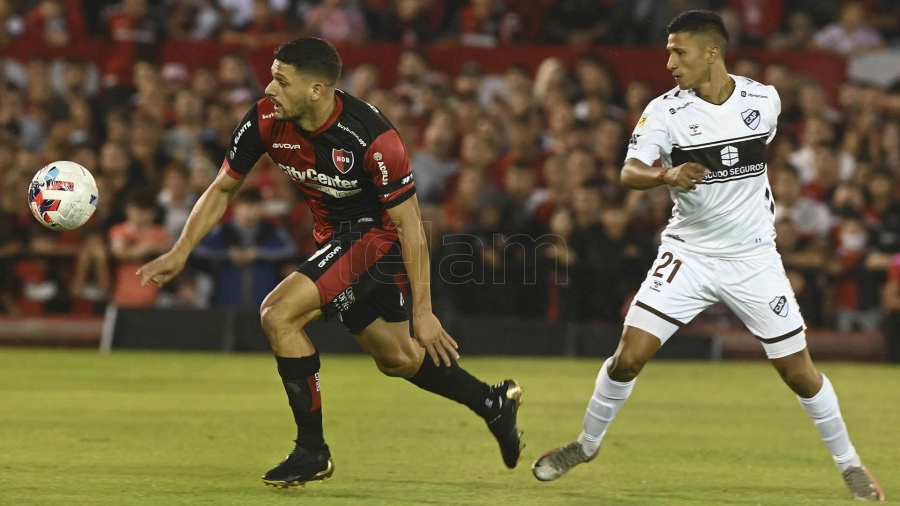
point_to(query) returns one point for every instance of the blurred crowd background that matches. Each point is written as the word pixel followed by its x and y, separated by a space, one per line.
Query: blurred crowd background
pixel 517 172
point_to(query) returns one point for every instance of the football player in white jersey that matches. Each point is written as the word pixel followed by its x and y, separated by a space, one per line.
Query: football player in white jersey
pixel 719 246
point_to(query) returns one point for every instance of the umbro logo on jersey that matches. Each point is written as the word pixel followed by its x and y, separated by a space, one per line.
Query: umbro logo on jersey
pixel 753 95
pixel 751 118
pixel 343 160
pixel 780 306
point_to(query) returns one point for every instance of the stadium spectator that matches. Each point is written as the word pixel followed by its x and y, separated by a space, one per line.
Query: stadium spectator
pixel 850 34
pixel 131 243
pixel 335 20
pixel 434 163
pixel 247 253
pixel 852 309
pixel 797 35
pixel 409 22
pixel 56 23
pixel 11 24
pixel 136 35
pixel 239 13
pixel 810 218
pixel 485 23
pixel 737 36
pixel 193 19
pixel 576 22
pixel 891 306
pixel 175 199
pixel 265 27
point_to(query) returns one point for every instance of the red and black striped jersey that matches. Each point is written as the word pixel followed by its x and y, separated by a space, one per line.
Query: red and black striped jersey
pixel 351 170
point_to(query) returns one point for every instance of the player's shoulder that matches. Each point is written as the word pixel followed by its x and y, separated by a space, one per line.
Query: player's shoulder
pixel 361 120
pixel 754 89
pixel 355 109
pixel 671 101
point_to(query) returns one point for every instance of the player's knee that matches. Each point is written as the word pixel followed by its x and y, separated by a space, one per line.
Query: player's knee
pixel 804 381
pixel 276 318
pixel 625 367
pixel 397 365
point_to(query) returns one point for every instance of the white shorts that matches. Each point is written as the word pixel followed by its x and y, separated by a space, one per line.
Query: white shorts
pixel 681 284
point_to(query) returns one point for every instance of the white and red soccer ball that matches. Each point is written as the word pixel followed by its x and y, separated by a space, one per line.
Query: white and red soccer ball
pixel 63 195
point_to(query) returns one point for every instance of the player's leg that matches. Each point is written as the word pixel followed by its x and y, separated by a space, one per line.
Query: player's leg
pixel 379 322
pixel 675 291
pixel 319 287
pixel 761 295
pixel 284 313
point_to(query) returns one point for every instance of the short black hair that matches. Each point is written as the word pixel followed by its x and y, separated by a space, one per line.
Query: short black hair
pixel 312 55
pixel 700 21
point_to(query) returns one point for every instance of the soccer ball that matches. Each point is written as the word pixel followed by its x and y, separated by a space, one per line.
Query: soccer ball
pixel 63 195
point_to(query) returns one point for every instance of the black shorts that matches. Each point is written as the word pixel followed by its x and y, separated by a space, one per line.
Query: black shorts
pixel 360 276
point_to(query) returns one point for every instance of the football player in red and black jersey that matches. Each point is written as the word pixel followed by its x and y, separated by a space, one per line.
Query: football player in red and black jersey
pixel 352 167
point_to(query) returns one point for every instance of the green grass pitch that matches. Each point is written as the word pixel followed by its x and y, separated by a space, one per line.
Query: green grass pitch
pixel 78 428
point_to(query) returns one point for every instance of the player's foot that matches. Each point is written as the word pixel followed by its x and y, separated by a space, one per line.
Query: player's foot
pixel 301 467
pixel 862 484
pixel 557 462
pixel 508 396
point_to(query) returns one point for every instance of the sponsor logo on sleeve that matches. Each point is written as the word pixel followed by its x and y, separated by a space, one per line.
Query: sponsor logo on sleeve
pixel 244 127
pixel 384 173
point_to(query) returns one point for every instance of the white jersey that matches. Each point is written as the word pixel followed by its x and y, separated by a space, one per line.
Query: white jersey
pixel 732 213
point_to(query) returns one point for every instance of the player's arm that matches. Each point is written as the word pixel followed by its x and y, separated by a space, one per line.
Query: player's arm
pixel 428 330
pixel 649 141
pixel 637 175
pixel 387 162
pixel 208 210
pixel 246 149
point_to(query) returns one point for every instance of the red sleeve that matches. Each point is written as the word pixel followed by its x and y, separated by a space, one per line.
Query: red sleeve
pixel 387 162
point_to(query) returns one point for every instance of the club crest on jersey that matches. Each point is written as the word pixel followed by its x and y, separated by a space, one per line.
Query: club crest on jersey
pixel 343 160
pixel 751 118
pixel 779 305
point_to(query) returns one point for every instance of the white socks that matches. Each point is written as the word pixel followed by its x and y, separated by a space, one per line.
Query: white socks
pixel 825 412
pixel 608 397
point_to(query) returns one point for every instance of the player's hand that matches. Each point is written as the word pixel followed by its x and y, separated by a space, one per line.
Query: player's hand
pixel 162 269
pixel 687 175
pixel 431 335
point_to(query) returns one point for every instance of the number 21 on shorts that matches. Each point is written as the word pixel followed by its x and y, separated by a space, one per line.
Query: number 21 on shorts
pixel 664 270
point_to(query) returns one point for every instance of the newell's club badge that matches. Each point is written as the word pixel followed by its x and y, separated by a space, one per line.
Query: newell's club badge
pixel 751 118
pixel 343 160
pixel 642 121
pixel 780 306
